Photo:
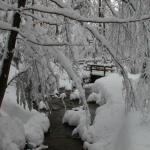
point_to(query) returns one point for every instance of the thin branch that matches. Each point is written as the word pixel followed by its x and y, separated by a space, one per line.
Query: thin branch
pixel 42 20
pixel 130 3
pixel 51 44
pixel 116 15
pixel 60 3
pixel 111 9
pixel 8 27
pixel 16 76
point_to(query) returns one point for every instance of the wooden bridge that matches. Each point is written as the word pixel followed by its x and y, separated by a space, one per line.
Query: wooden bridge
pixel 98 71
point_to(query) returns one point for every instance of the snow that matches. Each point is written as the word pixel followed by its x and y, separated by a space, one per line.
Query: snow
pixel 96 97
pixel 112 128
pixel 75 95
pixel 82 72
pixel 138 129
pixel 110 87
pixel 109 117
pixel 18 125
pixel 65 82
pixel 63 95
pixel 21 124
pixel 35 129
pixel 42 105
pixel 7 26
pixel 74 116
pixel 12 133
pixel 70 13
pixel 65 62
pixel 77 117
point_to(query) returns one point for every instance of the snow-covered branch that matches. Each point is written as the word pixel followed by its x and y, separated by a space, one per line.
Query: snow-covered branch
pixel 64 61
pixel 43 20
pixel 111 9
pixel 43 44
pixel 70 13
pixel 130 98
pixel 16 76
pixel 67 11
pixel 25 39
pixel 8 27
pixel 60 3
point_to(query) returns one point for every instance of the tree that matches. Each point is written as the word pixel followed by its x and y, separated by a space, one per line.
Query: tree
pixel 8 53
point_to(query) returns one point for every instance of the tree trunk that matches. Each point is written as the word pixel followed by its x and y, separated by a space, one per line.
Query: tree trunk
pixel 8 54
pixel 101 15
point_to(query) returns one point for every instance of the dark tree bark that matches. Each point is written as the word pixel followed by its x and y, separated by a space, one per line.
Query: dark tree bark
pixel 8 54
pixel 101 15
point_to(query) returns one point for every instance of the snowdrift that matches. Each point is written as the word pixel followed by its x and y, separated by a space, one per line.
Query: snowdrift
pixel 18 126
pixel 112 129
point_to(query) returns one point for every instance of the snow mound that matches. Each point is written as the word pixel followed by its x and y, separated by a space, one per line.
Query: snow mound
pixel 75 95
pixel 77 117
pixel 74 116
pixel 66 83
pixel 96 97
pixel 109 117
pixel 42 105
pixel 110 88
pixel 93 97
pixel 12 134
pixel 35 129
pixel 18 125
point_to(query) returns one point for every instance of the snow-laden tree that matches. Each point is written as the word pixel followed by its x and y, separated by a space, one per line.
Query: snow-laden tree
pixel 9 48
pixel 131 43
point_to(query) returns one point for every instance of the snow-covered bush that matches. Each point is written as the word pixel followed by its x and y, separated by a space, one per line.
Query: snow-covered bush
pixel 18 126
pixel 109 117
pixel 75 95
pixel 112 129
pixel 93 97
pixel 12 134
pixel 96 97
pixel 35 129
pixel 77 117
pixel 99 88
pixel 74 116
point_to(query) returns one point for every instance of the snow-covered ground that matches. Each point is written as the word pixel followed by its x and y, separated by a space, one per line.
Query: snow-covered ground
pixel 111 129
pixel 18 126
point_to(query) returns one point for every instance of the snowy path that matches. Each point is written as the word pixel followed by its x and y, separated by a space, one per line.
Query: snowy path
pixel 60 136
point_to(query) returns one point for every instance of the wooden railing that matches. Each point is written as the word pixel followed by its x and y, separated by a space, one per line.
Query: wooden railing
pixel 103 69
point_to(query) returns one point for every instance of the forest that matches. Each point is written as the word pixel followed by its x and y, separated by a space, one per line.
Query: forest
pixel 74 74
